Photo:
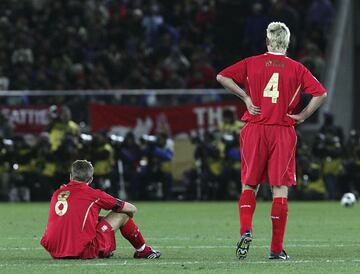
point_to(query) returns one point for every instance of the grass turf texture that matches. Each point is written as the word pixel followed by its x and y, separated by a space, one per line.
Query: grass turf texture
pixel 321 237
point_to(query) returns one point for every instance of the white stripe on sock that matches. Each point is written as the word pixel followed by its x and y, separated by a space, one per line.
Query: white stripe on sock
pixel 141 248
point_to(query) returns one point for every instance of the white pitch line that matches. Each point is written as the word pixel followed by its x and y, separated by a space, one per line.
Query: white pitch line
pixel 205 246
pixel 292 242
pixel 179 263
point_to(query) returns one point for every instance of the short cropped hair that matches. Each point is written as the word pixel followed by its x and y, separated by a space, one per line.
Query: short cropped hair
pixel 278 35
pixel 82 170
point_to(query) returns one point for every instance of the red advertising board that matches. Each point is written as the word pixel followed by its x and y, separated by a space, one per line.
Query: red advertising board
pixel 179 119
pixel 26 119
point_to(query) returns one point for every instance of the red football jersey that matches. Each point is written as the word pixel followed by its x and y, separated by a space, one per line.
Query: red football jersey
pixel 274 82
pixel 73 215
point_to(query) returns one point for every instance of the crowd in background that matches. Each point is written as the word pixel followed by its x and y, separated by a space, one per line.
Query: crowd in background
pixel 32 167
pixel 123 44
pixel 156 44
pixel 141 168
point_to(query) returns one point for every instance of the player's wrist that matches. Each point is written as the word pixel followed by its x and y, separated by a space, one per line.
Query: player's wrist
pixel 246 98
pixel 118 207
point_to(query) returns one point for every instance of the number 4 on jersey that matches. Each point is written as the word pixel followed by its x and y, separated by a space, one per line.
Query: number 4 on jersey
pixel 271 90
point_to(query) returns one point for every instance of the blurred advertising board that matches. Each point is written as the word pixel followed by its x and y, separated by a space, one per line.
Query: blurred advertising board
pixel 187 119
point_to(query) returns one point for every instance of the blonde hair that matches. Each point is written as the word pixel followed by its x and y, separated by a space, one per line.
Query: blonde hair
pixel 278 35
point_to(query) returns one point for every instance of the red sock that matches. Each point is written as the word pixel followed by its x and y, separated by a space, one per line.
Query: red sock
pixel 279 214
pixel 131 232
pixel 247 205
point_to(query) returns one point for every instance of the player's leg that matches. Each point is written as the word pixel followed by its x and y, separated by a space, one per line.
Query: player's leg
pixel 253 167
pixel 279 213
pixel 131 232
pixel 281 171
pixel 247 205
pixel 116 220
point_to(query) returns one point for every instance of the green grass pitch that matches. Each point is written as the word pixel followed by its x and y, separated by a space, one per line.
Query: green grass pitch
pixel 322 237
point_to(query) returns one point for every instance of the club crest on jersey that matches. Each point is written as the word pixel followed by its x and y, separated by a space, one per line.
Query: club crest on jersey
pixel 104 228
pixel 274 63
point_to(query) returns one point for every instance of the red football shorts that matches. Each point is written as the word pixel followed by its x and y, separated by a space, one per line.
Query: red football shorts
pixel 268 155
pixel 103 244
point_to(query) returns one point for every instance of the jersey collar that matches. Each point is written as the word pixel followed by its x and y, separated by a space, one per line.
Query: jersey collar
pixel 275 53
pixel 74 182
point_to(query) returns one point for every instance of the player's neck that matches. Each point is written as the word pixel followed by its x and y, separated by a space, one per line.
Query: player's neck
pixel 76 181
pixel 276 53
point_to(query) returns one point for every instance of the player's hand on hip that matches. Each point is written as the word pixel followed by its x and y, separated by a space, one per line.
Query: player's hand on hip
pixel 297 117
pixel 254 110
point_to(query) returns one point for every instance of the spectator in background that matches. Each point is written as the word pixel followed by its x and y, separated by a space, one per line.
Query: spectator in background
pixel 6 154
pixel 67 151
pixel 309 173
pixel 205 16
pixel 102 157
pixel 351 179
pixel 23 174
pixel 230 124
pixel 208 157
pixel 321 13
pixel 331 153
pixel 46 168
pixel 152 22
pixel 253 29
pixel 155 176
pixel 230 185
pixel 329 128
pixel 333 165
pixel 64 140
pixel 6 129
pixel 313 60
pixel 4 80
pixel 130 156
pixel 280 10
pixel 176 62
pixel 202 72
pixel 60 125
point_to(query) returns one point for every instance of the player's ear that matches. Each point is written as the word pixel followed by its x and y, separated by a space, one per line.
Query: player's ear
pixel 90 180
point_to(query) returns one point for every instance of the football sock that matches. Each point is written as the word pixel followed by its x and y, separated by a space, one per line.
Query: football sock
pixel 247 204
pixel 141 248
pixel 131 232
pixel 279 214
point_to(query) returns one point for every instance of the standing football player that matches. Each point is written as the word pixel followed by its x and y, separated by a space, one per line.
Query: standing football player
pixel 75 230
pixel 270 85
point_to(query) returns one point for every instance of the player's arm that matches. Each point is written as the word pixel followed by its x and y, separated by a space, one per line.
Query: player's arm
pixel 311 86
pixel 233 75
pixel 313 105
pixel 125 207
pixel 108 202
pixel 230 85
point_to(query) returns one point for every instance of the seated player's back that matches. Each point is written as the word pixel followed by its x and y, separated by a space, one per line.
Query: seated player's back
pixel 74 212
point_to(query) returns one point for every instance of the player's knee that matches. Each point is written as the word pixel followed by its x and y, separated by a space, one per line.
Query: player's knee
pixel 116 220
pixel 125 218
pixel 129 208
pixel 280 191
pixel 249 187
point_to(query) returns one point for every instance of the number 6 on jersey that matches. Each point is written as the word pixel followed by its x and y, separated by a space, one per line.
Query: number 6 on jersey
pixel 61 205
pixel 271 89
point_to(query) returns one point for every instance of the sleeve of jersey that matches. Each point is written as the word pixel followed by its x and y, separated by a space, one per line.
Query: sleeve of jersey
pixel 311 85
pixel 236 72
pixel 108 202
